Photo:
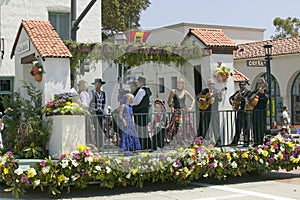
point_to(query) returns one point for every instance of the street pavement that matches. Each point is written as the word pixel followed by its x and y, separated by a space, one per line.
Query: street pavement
pixel 279 185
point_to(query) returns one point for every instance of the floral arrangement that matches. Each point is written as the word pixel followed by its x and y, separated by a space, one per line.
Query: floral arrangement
pixel 37 67
pixel 222 73
pixel 64 104
pixel 81 167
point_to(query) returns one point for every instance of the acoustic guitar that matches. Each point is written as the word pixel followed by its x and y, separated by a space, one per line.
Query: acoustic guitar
pixel 236 102
pixel 253 100
pixel 209 99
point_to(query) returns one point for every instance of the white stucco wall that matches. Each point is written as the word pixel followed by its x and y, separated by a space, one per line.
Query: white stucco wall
pixel 14 11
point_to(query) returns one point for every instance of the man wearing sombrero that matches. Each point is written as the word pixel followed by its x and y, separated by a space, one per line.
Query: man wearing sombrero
pixel 99 107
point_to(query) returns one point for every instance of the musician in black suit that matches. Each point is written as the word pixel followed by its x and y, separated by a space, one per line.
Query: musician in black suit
pixel 259 114
pixel 237 100
pixel 210 117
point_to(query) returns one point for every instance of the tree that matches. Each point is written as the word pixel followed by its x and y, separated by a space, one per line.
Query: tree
pixel 286 27
pixel 121 15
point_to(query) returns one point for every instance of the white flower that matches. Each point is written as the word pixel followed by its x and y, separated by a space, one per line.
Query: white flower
pixel 74 163
pixel 37 182
pixel 64 163
pixel 260 151
pixel 98 168
pixel 108 169
pixel 66 179
pixel 18 171
pixel 205 175
pixel 261 161
pixel 45 170
pixel 88 159
pixel 128 175
pixel 235 155
pixel 233 165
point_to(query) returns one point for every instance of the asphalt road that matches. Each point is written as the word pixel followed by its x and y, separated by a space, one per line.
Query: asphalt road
pixel 280 185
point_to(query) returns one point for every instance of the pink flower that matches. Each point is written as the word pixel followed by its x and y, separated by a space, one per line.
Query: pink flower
pixel 24 179
pixel 43 163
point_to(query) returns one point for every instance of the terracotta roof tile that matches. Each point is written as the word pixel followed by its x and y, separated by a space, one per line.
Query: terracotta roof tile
pixel 213 37
pixel 44 38
pixel 281 46
pixel 238 76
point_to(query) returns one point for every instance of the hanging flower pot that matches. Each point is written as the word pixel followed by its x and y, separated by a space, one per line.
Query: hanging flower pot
pixel 37 70
pixel 38 77
pixel 222 73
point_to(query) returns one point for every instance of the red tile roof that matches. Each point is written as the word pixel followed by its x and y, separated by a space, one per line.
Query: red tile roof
pixel 44 38
pixel 213 37
pixel 282 46
pixel 238 76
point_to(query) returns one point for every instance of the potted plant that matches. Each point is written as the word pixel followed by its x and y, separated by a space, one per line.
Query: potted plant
pixel 37 70
pixel 222 73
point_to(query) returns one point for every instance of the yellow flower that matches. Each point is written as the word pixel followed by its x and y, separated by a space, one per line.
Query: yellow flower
pixel 191 150
pixel 134 171
pixel 265 153
pixel 186 170
pixel 295 160
pixel 256 157
pixel 5 171
pixel 245 155
pixel 160 164
pixel 180 149
pixel 290 144
pixel 144 154
pixel 80 147
pixel 31 172
pixel 228 156
pixel 68 103
pixel 61 178
pixel 280 156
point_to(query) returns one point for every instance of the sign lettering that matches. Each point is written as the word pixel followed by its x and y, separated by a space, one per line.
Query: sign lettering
pixel 256 63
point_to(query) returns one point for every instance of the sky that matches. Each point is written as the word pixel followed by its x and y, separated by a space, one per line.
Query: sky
pixel 241 13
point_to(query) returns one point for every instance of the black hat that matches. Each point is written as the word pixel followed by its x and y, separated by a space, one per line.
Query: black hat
pixel 99 80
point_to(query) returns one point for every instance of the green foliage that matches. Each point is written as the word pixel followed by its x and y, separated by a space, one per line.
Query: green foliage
pixel 133 54
pixel 119 15
pixel 286 28
pixel 27 131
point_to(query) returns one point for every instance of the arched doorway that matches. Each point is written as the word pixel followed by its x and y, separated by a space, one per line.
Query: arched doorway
pixel 276 98
pixel 295 98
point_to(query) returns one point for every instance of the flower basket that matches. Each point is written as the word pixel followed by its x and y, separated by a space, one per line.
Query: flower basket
pixel 222 73
pixel 37 70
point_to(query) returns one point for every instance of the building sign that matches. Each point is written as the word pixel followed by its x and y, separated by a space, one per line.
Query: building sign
pixel 256 63
pixel 23 47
